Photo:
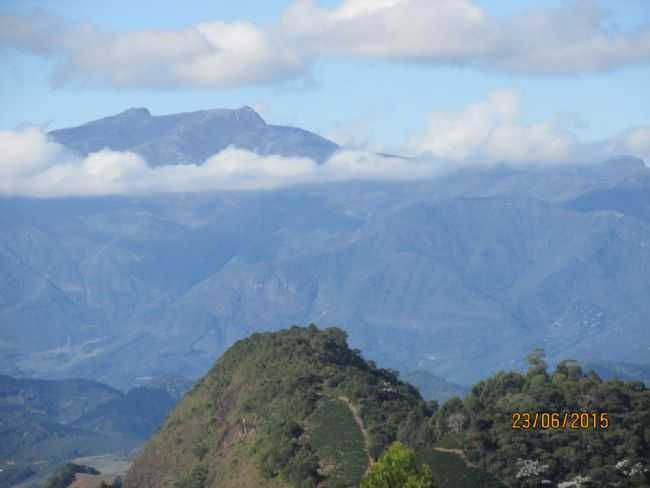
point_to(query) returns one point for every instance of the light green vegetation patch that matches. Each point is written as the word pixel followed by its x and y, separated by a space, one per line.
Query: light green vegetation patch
pixel 339 443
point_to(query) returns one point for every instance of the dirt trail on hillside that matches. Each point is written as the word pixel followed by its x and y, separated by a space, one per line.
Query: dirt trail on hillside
pixel 458 452
pixel 359 422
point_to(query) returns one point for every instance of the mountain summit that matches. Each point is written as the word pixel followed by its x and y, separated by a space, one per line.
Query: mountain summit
pixel 192 137
pixel 295 408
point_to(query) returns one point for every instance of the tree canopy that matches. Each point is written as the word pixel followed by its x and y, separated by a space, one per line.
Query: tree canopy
pixel 397 469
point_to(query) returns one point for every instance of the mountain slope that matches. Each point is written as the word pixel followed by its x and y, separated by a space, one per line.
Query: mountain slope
pixel 191 138
pixel 298 408
pixel 44 422
pixel 271 412
pixel 135 287
pixel 62 401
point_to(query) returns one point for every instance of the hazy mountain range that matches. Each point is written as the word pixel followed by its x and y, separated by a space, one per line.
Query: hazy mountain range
pixel 43 423
pixel 459 276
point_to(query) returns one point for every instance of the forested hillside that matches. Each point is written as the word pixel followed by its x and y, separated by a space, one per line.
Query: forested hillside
pixel 607 445
pixel 298 408
pixel 293 408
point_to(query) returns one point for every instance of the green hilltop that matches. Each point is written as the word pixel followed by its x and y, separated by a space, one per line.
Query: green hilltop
pixel 296 408
pixel 299 408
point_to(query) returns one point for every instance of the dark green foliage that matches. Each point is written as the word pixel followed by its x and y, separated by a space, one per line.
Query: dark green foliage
pixel 484 419
pixel 65 475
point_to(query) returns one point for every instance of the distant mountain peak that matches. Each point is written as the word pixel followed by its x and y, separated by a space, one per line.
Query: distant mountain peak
pixel 192 137
pixel 135 112
pixel 249 111
pixel 245 114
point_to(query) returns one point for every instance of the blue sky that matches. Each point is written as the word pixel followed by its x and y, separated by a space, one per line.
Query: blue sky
pixel 379 100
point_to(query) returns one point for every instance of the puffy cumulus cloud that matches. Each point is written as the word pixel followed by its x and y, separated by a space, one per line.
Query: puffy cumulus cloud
pixel 571 39
pixel 574 38
pixel 30 164
pixel 26 152
pixel 489 132
pixel 211 54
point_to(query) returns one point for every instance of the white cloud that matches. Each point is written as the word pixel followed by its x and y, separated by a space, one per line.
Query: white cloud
pixel 23 153
pixel 210 54
pixel 32 165
pixel 574 38
pixel 571 39
pixel 489 131
pixel 482 134
pixel 450 30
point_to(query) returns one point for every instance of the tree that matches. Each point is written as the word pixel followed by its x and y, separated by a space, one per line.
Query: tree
pixel 536 361
pixel 397 469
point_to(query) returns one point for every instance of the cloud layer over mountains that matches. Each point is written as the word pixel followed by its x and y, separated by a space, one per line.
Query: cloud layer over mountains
pixel 572 39
pixel 485 133
pixel 35 166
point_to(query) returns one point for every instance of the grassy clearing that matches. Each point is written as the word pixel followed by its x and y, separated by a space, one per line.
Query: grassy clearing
pixel 339 441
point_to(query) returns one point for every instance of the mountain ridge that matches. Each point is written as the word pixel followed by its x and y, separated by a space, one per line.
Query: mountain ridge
pixel 445 265
pixel 191 137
